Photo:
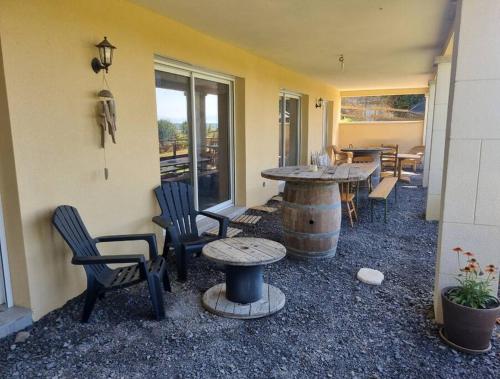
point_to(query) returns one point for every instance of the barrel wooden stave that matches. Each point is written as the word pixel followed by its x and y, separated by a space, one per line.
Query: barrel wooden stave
pixel 311 219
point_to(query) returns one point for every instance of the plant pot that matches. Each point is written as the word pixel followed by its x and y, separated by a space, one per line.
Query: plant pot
pixel 466 328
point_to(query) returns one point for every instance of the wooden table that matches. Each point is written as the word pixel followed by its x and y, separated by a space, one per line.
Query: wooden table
pixel 373 152
pixel 311 209
pixel 244 294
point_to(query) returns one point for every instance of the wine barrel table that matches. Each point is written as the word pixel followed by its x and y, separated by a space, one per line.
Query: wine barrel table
pixel 244 295
pixel 311 207
pixel 373 152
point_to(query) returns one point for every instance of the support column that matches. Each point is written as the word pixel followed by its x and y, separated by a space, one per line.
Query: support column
pixel 433 210
pixel 471 200
pixel 428 132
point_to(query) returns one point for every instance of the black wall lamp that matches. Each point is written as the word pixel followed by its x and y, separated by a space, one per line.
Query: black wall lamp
pixel 319 102
pixel 105 56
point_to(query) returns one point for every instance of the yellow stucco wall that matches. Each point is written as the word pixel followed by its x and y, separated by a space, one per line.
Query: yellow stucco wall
pixel 9 199
pixel 405 134
pixel 47 48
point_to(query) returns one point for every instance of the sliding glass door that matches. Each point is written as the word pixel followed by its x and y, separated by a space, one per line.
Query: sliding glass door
pixel 194 112
pixel 289 123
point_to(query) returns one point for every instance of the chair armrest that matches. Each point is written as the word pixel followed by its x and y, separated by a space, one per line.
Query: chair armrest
pixel 150 238
pixel 108 259
pixel 162 221
pixel 223 222
pixel 169 227
pixel 215 216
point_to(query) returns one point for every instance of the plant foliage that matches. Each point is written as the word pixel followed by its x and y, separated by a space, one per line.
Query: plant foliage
pixel 474 289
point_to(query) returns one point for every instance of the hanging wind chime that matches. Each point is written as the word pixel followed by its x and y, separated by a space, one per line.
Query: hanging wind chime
pixel 106 102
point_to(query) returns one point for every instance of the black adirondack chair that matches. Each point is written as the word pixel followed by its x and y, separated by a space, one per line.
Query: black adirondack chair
pixel 178 218
pixel 101 278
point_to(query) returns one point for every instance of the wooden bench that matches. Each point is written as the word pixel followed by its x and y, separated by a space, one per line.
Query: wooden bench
pixel 382 192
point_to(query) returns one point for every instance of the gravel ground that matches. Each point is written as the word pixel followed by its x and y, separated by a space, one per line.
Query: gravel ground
pixel 331 326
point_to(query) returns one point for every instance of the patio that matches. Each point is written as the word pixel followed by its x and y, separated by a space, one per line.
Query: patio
pixel 142 115
pixel 331 326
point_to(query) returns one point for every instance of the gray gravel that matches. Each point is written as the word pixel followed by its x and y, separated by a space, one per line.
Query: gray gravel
pixel 331 326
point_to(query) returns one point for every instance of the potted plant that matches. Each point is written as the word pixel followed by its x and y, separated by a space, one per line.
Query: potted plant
pixel 469 309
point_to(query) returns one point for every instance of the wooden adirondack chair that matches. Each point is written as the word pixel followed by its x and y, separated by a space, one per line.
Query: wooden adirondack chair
pixel 101 278
pixel 178 218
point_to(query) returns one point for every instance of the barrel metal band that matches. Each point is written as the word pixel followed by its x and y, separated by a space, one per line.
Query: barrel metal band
pixel 312 235
pixel 311 254
pixel 312 207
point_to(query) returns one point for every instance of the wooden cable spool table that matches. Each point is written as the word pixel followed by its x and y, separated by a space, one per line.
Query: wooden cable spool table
pixel 244 295
pixel 311 208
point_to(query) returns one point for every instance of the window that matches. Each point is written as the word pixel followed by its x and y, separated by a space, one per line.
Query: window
pixel 194 115
pixel 383 108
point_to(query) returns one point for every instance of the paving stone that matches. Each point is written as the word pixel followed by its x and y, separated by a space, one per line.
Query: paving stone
pixel 370 276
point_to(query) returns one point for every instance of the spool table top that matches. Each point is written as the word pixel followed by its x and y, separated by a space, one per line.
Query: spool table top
pixel 244 251
pixel 347 172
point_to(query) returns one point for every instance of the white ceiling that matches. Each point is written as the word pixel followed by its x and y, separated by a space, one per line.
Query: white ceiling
pixel 385 43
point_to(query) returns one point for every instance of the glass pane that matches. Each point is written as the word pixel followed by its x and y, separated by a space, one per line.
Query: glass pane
pixel 212 136
pixel 291 131
pixel 172 109
pixel 383 108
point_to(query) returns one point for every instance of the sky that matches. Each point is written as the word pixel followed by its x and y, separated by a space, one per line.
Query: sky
pixel 171 105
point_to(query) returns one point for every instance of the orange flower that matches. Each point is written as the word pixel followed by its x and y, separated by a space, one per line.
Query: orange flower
pixel 466 269
pixel 469 254
pixel 473 266
pixel 457 249
pixel 490 268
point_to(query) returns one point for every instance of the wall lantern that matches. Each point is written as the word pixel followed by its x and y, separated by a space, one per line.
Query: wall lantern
pixel 105 56
pixel 319 102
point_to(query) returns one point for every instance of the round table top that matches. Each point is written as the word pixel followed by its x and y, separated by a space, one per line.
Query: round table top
pixel 366 150
pixel 347 172
pixel 244 251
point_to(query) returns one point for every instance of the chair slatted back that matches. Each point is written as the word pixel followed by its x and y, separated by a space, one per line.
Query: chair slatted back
pixel 177 206
pixel 68 222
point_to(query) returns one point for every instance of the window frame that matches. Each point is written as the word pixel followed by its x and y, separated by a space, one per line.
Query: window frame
pixel 193 73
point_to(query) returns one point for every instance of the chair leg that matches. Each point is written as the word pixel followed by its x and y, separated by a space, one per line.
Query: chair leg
pixel 355 212
pixel 165 249
pixel 90 298
pixel 349 212
pixel 181 263
pixel 156 297
pixel 166 281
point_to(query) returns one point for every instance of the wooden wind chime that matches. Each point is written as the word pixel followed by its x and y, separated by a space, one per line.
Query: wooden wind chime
pixel 107 121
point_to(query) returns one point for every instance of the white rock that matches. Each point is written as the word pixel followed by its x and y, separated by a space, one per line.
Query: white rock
pixel 370 276
pixel 21 337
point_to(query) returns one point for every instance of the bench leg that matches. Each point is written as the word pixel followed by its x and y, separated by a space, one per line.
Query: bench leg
pixel 385 212
pixel 371 210
pixel 357 193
